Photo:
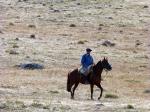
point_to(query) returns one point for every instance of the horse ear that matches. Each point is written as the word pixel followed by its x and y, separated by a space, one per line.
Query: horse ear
pixel 106 58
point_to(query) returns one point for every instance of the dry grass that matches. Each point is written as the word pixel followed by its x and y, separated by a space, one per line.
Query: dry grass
pixel 61 32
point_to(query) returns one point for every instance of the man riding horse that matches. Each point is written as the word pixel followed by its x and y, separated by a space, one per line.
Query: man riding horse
pixel 88 72
pixel 86 64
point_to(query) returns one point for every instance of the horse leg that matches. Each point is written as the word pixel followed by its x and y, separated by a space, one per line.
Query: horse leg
pixel 72 93
pixel 99 86
pixel 92 86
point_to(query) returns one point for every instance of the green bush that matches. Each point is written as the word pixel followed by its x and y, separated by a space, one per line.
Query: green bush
pixel 130 107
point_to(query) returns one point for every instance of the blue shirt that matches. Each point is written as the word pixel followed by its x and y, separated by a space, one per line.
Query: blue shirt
pixel 86 60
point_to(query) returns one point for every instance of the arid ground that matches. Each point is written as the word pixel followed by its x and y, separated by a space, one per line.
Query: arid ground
pixel 55 33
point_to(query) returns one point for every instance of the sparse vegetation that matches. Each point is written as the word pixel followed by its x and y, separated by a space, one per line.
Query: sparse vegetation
pixel 130 107
pixel 36 104
pixel 111 96
pixel 55 33
pixel 133 81
pixel 101 24
pixel 82 41
pixel 10 105
pixel 15 46
pixel 13 52
pixel 31 26
pixel 54 92
pixel 108 43
pixel 46 107
pixel 20 104
pixel 3 106
pixel 64 108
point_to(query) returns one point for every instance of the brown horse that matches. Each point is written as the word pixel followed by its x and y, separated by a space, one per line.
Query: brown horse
pixel 74 78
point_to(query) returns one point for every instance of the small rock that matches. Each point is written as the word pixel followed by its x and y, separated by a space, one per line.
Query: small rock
pixel 130 107
pixel 100 28
pixel 78 3
pixel 32 36
pixel 22 0
pixel 118 8
pixel 101 24
pixel 11 24
pixel 55 10
pixel 135 52
pixel 72 25
pixel 146 6
pixel 99 7
pixel 13 52
pixel 98 105
pixel 82 41
pixel 138 43
pixel 38 16
pixel 16 39
pixel 1 32
pixel 15 46
pixel 146 57
pixel 121 31
pixel 44 4
pixel 27 56
pixel 108 43
pixel 121 25
pixel 147 91
pixel 3 106
pixel 110 17
pixel 32 26
pixel 131 33
pixel 146 30
pixel 54 92
pixel 31 66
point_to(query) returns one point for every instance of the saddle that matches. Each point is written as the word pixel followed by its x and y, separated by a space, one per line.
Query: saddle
pixel 86 75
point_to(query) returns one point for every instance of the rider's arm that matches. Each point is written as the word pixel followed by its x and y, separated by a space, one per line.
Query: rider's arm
pixel 83 60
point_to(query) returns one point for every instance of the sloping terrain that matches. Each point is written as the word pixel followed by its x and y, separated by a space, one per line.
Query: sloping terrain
pixel 55 33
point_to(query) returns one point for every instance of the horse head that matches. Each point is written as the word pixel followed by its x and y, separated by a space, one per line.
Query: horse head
pixel 103 64
pixel 106 64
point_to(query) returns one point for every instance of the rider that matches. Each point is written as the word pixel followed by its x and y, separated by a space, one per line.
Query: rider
pixel 86 62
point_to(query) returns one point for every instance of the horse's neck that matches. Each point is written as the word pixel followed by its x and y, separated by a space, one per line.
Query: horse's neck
pixel 98 71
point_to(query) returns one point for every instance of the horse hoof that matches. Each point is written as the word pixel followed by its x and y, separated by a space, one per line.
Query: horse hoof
pixel 92 98
pixel 98 98
pixel 72 98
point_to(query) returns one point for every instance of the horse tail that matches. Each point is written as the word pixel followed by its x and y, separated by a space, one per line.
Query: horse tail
pixel 68 83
